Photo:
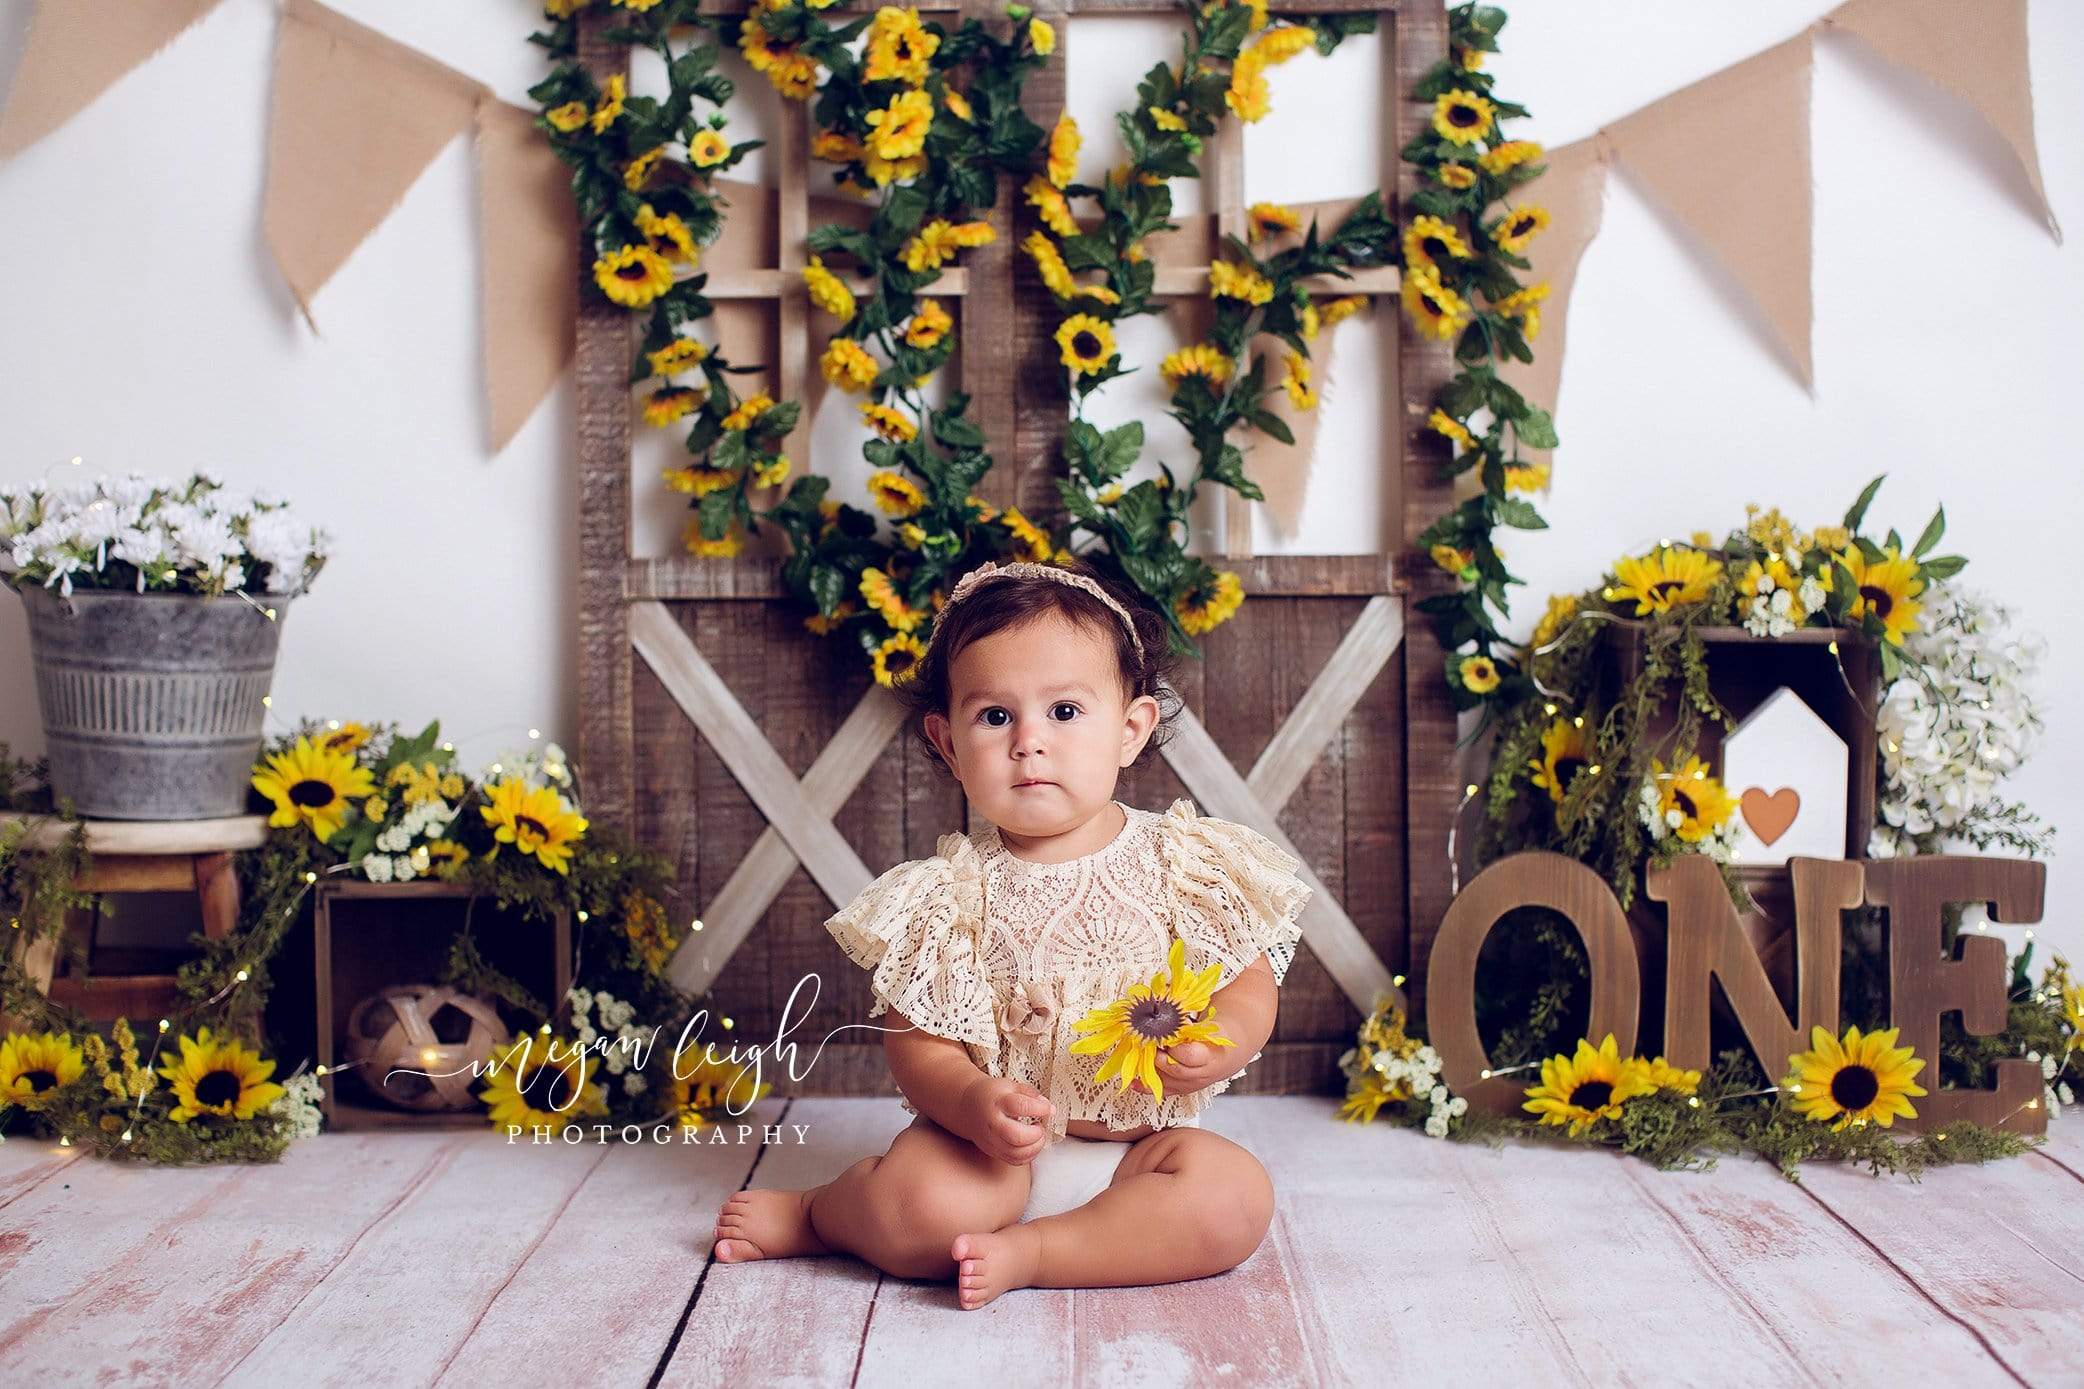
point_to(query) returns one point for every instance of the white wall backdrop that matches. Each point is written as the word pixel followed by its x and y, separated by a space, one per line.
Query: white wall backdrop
pixel 145 328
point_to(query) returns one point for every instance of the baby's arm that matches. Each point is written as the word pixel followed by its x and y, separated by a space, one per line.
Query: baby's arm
pixel 1244 1011
pixel 943 1083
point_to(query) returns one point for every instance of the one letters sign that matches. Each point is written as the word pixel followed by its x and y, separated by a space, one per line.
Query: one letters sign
pixel 1706 942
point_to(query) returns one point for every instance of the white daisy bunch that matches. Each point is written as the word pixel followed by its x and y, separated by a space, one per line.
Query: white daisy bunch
pixel 2055 1091
pixel 1956 725
pixel 1779 609
pixel 601 1014
pixel 1419 1075
pixel 538 766
pixel 187 535
pixel 298 1103
pixel 402 851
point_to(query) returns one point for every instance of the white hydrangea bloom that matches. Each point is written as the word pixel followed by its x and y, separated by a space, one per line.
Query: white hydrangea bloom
pixel 377 867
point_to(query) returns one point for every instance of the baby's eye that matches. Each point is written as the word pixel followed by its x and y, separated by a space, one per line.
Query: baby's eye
pixel 1065 704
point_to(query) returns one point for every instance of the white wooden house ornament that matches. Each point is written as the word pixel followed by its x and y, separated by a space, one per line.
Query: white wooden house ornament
pixel 1788 771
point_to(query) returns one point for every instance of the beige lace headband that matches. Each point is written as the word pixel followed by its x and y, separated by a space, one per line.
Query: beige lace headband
pixel 991 570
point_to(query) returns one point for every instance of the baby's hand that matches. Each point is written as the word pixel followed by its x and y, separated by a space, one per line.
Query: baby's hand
pixel 1009 1120
pixel 1193 1066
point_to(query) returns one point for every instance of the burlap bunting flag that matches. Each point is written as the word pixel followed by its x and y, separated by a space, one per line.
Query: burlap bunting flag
pixel 76 52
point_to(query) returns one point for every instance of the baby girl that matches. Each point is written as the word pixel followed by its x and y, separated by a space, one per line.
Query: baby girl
pixel 1029 1164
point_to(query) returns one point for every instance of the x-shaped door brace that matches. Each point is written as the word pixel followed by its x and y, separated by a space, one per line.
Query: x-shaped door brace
pixel 799 813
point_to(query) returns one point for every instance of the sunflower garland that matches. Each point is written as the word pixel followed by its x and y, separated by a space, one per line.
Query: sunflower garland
pixel 1460 287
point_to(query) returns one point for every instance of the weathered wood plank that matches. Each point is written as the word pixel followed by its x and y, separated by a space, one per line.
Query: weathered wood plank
pixel 402 1302
pixel 203 1282
pixel 790 1321
pixel 1728 1278
pixel 1998 1248
pixel 637 1232
pixel 27 1162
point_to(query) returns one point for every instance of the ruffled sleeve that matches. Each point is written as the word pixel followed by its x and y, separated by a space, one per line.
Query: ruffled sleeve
pixel 917 927
pixel 1238 893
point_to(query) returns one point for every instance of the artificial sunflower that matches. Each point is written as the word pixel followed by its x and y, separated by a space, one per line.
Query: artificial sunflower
pixel 1478 674
pixel 1561 610
pixel 1659 1074
pixel 1028 533
pixel 1295 380
pixel 897 494
pixel 1368 1095
pixel 747 412
pixel 677 355
pixel 1227 279
pixel 899 47
pixel 1207 606
pixel 1456 176
pixel 836 147
pixel 345 737
pixel 1282 44
pixel 1049 261
pixel 633 276
pixel 1444 423
pixel 1062 164
pixel 711 1084
pixel 663 407
pixel 218 1076
pixel 1176 1007
pixel 1581 1090
pixel 708 149
pixel 1526 477
pixel 773 471
pixel 1250 95
pixel 1697 800
pixel 311 786
pixel 826 626
pixel 1564 752
pixel 930 323
pixel 1884 590
pixel 641 168
pixel 1429 240
pixel 898 131
pixel 1042 36
pixel 1462 116
pixel 1452 558
pixel 667 236
pixel 1099 294
pixel 698 482
pixel 1085 343
pixel 889 423
pixel 1525 305
pixel 1343 308
pixel 1513 231
pixel 886 602
pixel 610 107
pixel 958 105
pixel 1437 310
pixel 1166 120
pixel 896 658
pixel 32 1064
pixel 701 546
pixel 931 247
pixel 1203 359
pixel 1664 579
pixel 1051 206
pixel 536 820
pixel 847 365
pixel 1509 155
pixel 828 291
pixel 1853 1080
pixel 1271 219
pixel 569 117
pixel 542 1082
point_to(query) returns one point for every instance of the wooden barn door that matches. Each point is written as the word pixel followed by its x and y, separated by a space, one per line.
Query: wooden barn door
pixel 773 771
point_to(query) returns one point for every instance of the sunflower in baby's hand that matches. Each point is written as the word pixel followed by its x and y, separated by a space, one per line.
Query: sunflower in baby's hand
pixel 1174 1008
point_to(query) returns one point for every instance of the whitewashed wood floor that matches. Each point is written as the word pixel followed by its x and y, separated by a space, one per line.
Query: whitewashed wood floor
pixel 453 1258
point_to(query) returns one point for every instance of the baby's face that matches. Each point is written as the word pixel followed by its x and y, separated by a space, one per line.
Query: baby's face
pixel 1038 729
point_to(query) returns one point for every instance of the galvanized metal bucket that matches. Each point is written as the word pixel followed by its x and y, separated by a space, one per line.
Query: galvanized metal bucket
pixel 152 702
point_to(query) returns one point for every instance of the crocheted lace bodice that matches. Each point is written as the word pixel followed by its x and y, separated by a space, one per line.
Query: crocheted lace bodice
pixel 1005 955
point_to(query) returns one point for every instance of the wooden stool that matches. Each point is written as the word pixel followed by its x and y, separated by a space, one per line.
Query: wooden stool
pixel 139 856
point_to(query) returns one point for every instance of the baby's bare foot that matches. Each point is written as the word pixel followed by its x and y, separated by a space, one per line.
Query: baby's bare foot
pixel 766 1225
pixel 989 1264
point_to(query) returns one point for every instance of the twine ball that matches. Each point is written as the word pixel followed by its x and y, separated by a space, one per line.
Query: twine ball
pixel 422 1028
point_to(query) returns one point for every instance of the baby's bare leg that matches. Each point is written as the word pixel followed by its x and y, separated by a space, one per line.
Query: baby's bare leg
pixel 1185 1203
pixel 899 1212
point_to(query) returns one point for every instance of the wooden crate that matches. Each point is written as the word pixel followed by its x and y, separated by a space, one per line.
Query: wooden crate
pixel 371 936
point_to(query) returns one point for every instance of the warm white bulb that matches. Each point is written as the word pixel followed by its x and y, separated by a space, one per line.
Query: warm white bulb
pixel 698 923
pixel 164 1024
pixel 1470 790
pixel 333 724
pixel 1397 979
pixel 242 976
pixel 267 701
pixel 583 916
pixel 1548 708
pixel 535 733
pixel 728 1024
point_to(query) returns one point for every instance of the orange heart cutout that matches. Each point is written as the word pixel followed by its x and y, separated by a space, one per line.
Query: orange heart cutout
pixel 1770 815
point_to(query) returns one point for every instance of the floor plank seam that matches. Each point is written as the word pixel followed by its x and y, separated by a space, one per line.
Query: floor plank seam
pixel 658 1371
pixel 522 1262
pixel 1641 1183
pixel 442 1157
pixel 2058 1164
pixel 861 1350
pixel 50 1170
pixel 1919 1288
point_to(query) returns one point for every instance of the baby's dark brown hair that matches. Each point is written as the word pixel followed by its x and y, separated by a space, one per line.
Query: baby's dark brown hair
pixel 1007 603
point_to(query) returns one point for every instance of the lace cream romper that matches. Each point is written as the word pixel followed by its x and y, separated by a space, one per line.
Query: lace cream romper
pixel 1004 955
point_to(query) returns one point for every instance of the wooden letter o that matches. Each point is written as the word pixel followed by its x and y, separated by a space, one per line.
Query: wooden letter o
pixel 1533 879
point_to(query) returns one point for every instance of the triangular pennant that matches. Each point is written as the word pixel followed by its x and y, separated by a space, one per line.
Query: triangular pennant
pixel 355 119
pixel 526 223
pixel 1573 193
pixel 76 52
pixel 1729 157
pixel 1978 52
